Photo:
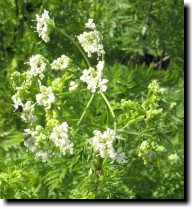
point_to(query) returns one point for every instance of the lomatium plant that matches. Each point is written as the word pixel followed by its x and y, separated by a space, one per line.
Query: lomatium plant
pixel 42 95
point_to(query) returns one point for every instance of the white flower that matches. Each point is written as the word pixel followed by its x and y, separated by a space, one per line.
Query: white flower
pixel 28 112
pixel 60 138
pixel 37 142
pixel 29 140
pixel 90 24
pixel 73 85
pixel 17 101
pixel 103 143
pixel 46 97
pixel 43 26
pixel 93 78
pixel 43 155
pixel 100 67
pixel 61 63
pixel 37 66
pixel 101 85
pixel 120 156
pixel 91 41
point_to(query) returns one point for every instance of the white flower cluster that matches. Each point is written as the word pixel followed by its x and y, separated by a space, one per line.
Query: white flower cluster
pixel 17 101
pixel 60 138
pixel 37 65
pixel 61 63
pixel 37 142
pixel 27 109
pixel 43 24
pixel 46 97
pixel 93 78
pixel 28 112
pixel 103 143
pixel 91 40
pixel 73 85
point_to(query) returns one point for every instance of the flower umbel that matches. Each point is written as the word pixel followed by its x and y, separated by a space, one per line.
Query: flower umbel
pixel 46 97
pixel 43 26
pixel 103 143
pixel 73 85
pixel 60 138
pixel 37 65
pixel 61 63
pixel 36 141
pixel 91 41
pixel 28 112
pixel 93 78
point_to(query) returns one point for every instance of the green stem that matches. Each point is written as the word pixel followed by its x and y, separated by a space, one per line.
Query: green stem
pixel 87 106
pixel 110 108
pixel 89 65
pixel 74 42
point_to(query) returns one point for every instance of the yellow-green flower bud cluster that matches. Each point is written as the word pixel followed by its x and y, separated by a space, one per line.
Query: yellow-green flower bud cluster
pixel 150 152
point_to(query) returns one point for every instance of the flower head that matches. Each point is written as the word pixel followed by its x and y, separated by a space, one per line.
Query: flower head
pixel 90 25
pixel 17 101
pixel 73 85
pixel 91 41
pixel 60 138
pixel 61 63
pixel 93 78
pixel 37 65
pixel 28 112
pixel 103 143
pixel 46 97
pixel 36 141
pixel 43 26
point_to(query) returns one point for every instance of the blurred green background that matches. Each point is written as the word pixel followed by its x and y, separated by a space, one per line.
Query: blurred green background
pixel 143 40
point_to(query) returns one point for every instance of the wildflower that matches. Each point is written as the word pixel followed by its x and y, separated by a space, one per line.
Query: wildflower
pixel 120 156
pixel 91 41
pixel 36 141
pixel 37 66
pixel 60 138
pixel 102 85
pixel 73 85
pixel 103 143
pixel 90 24
pixel 61 63
pixel 28 112
pixel 93 78
pixel 43 26
pixel 43 155
pixel 29 142
pixel 17 101
pixel 46 97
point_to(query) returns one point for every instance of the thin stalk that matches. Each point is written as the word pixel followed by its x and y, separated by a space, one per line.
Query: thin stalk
pixel 110 108
pixel 89 65
pixel 87 106
pixel 74 42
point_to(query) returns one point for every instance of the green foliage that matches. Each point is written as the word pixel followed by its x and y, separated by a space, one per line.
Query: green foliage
pixel 150 120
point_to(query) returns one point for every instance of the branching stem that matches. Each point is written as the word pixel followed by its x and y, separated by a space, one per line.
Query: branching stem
pixel 89 65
